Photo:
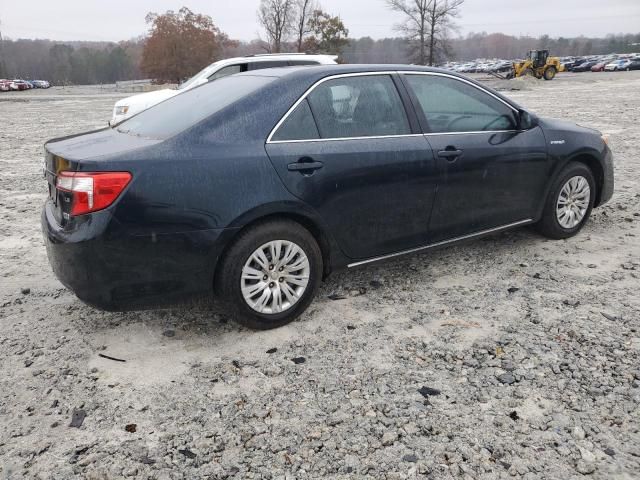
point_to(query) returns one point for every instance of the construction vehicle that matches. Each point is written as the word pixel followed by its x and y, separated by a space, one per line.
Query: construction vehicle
pixel 538 64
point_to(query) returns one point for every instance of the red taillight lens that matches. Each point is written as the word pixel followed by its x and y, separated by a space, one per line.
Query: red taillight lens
pixel 92 191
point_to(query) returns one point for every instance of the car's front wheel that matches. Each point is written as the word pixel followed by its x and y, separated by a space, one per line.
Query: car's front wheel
pixel 569 203
pixel 270 274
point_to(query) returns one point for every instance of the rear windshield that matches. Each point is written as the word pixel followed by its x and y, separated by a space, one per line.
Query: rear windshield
pixel 186 109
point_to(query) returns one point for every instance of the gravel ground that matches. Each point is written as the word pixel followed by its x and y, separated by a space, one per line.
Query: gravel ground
pixel 510 357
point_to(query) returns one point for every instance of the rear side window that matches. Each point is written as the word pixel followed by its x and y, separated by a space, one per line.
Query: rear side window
pixel 303 62
pixel 186 109
pixel 361 106
pixel 299 125
pixel 451 105
pixel 229 70
pixel 271 64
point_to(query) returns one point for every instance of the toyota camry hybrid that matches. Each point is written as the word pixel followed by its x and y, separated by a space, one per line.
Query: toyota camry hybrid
pixel 258 185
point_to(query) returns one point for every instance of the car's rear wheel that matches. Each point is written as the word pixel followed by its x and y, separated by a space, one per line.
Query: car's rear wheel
pixel 569 203
pixel 270 274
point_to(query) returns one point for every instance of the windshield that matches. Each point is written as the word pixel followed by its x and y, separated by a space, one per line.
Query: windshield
pixel 185 110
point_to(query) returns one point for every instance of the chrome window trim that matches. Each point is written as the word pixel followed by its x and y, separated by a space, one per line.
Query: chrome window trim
pixel 342 139
pixel 386 72
pixel 442 243
pixel 478 132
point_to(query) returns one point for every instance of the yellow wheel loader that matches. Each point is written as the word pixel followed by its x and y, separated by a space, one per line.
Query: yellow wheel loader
pixel 538 64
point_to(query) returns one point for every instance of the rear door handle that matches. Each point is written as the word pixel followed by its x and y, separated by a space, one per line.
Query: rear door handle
pixel 450 155
pixel 302 166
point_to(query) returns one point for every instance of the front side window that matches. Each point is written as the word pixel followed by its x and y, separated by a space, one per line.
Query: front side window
pixel 361 106
pixel 451 105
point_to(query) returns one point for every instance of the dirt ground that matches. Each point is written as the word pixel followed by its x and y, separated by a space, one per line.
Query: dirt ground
pixel 510 357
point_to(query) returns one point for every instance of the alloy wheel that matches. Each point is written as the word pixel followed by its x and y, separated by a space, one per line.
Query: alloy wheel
pixel 573 202
pixel 275 277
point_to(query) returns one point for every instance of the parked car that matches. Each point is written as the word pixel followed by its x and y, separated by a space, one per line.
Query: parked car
pixel 585 66
pixel 600 66
pixel 261 184
pixel 616 65
pixel 40 84
pixel 5 85
pixel 18 84
pixel 634 64
pixel 128 107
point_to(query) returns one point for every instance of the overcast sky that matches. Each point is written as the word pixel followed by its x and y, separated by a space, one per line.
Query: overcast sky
pixel 124 19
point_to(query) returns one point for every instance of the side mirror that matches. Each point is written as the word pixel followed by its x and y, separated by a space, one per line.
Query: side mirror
pixel 526 120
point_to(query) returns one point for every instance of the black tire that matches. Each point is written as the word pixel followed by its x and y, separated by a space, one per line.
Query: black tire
pixel 550 73
pixel 549 225
pixel 228 279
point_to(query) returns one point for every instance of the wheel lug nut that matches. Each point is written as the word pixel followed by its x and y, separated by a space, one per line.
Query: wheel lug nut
pixel 281 279
pixel 272 285
pixel 270 267
pixel 265 277
pixel 281 269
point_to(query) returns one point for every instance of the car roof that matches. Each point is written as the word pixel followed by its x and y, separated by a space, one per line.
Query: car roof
pixel 321 71
pixel 273 57
pixel 312 74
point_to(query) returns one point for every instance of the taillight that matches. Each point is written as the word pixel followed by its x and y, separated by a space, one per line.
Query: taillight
pixel 92 191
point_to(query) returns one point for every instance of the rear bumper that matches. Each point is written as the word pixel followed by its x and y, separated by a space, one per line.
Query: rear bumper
pixel 112 270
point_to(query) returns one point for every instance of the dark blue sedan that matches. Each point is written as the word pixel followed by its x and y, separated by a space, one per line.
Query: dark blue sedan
pixel 258 185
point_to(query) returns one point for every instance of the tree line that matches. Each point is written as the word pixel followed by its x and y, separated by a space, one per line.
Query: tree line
pixel 179 44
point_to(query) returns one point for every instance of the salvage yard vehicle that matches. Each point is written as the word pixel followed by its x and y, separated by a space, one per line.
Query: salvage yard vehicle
pixel 616 65
pixel 600 66
pixel 538 64
pixel 634 65
pixel 127 107
pixel 18 84
pixel 40 84
pixel 584 66
pixel 258 186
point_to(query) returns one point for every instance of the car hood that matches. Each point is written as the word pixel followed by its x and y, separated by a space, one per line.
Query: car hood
pixel 147 99
pixel 556 125
pixel 96 144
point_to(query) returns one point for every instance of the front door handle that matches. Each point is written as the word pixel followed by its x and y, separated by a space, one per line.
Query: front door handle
pixel 451 154
pixel 304 165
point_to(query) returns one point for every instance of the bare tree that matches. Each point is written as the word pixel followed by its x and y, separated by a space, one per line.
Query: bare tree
pixel 277 18
pixel 305 9
pixel 3 68
pixel 427 24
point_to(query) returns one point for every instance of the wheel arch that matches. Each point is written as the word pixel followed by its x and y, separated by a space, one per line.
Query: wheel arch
pixel 331 253
pixel 596 168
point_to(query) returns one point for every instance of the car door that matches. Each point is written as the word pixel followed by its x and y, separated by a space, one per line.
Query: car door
pixel 348 150
pixel 491 173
